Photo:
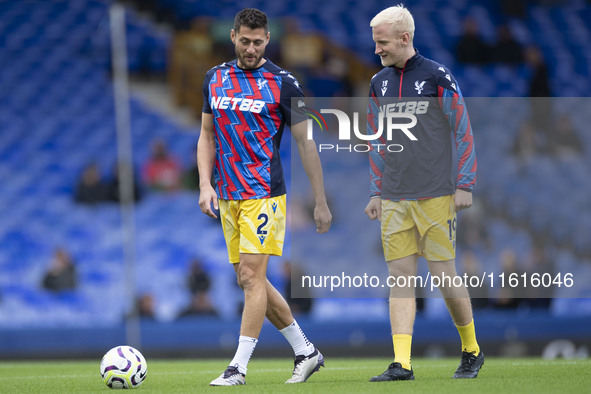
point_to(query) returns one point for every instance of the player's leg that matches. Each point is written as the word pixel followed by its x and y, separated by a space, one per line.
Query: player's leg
pixel 270 233
pixel 251 273
pixel 399 240
pixel 261 224
pixel 436 221
pixel 307 358
pixel 279 314
pixel 261 227
pixel 262 230
pixel 278 311
pixel 403 307
pixel 455 295
pixel 266 220
pixel 229 217
pixel 458 303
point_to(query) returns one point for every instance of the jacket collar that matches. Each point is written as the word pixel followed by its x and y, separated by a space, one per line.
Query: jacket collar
pixel 410 63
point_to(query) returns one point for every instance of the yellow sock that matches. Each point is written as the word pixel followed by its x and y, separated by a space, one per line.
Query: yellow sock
pixel 468 337
pixel 402 344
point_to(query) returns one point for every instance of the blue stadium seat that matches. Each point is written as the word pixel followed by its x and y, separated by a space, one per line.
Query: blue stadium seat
pixel 69 41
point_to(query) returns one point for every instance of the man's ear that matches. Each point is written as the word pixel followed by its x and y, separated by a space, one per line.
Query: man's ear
pixel 405 38
pixel 233 36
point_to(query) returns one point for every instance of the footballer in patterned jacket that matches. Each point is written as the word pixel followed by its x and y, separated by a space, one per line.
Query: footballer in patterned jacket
pixel 422 169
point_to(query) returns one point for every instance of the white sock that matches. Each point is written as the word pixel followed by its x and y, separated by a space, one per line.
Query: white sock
pixel 246 346
pixel 298 341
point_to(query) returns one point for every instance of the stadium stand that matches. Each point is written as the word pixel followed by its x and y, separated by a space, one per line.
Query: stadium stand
pixel 56 113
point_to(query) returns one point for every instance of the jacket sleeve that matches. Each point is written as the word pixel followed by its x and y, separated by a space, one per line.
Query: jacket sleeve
pixel 453 106
pixel 376 155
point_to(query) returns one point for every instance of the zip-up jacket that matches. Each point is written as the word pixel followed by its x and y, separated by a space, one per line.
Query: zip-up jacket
pixel 417 162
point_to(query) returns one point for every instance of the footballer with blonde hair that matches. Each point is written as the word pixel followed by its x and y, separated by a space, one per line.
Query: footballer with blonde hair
pixel 413 192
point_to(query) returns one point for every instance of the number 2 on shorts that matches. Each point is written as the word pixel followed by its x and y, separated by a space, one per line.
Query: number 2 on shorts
pixel 265 219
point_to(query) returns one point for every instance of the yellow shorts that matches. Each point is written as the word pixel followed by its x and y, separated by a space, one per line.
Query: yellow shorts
pixel 425 227
pixel 253 226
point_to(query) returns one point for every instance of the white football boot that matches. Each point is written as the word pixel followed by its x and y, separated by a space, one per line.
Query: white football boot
pixel 305 366
pixel 230 377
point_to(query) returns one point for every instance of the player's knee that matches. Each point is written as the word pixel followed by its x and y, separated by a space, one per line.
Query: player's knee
pixel 248 279
pixel 239 282
pixel 247 282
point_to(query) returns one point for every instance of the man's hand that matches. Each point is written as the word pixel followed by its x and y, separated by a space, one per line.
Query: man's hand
pixel 463 199
pixel 322 217
pixel 313 168
pixel 374 208
pixel 207 197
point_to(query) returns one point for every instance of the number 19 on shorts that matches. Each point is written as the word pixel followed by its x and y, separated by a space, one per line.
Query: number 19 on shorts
pixel 451 225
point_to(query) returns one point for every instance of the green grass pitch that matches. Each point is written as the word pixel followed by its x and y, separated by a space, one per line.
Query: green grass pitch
pixel 341 375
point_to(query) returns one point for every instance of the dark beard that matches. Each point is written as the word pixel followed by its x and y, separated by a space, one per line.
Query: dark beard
pixel 241 60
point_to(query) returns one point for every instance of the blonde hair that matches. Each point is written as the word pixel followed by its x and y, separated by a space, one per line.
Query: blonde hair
pixel 398 17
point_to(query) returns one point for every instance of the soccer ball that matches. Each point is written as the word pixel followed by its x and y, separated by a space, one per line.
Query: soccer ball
pixel 123 367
